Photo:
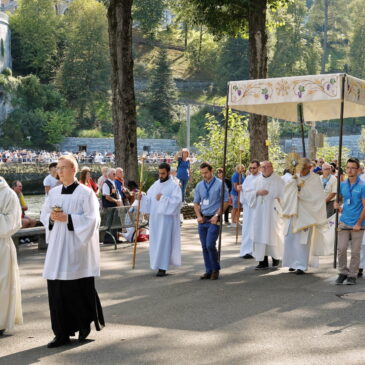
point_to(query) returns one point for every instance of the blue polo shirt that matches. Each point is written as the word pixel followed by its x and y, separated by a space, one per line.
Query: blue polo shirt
pixel 352 201
pixel 213 197
pixel 235 179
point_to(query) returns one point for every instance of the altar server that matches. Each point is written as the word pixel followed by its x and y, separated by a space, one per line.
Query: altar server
pixel 71 217
pixel 10 296
pixel 163 203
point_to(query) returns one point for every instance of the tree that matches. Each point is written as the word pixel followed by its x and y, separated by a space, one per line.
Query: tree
pixel 40 116
pixel 295 53
pixel 161 93
pixel 331 20
pixel 357 48
pixel 232 62
pixel 36 34
pixel 84 75
pixel 147 14
pixel 124 104
pixel 232 17
pixel 210 146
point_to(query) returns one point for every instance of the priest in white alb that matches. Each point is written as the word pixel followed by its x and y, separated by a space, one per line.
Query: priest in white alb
pixel 71 217
pixel 266 228
pixel 246 189
pixel 163 203
pixel 304 213
pixel 10 295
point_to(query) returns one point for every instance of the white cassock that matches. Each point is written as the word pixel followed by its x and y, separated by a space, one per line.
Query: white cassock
pixel 72 254
pixel 247 189
pixel 164 223
pixel 304 214
pixel 10 222
pixel 266 229
pixel 287 177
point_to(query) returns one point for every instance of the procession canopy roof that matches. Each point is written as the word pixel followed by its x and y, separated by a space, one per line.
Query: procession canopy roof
pixel 319 94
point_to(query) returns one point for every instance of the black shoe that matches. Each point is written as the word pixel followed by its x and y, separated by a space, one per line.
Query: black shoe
pixel 58 341
pixel 350 281
pixel 291 269
pixel 275 262
pixel 247 256
pixel 205 276
pixel 161 273
pixel 262 265
pixel 359 274
pixel 215 275
pixel 2 332
pixel 83 333
pixel 300 272
pixel 341 278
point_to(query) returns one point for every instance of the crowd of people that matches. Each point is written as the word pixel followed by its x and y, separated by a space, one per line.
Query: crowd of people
pixel 285 217
pixel 46 157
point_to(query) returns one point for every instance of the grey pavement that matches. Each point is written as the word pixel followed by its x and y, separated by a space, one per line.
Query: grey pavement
pixel 246 317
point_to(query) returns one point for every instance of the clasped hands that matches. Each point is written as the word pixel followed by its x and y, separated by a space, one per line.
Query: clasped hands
pixel 59 216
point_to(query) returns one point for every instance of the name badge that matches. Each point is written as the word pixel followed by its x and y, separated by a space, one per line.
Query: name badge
pixel 348 201
pixel 206 202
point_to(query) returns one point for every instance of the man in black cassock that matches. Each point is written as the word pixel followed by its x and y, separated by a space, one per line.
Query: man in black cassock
pixel 71 217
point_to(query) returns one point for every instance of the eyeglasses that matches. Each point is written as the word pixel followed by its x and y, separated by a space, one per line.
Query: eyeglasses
pixel 253 168
pixel 351 168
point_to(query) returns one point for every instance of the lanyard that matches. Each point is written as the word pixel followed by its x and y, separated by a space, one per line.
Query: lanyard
pixel 352 187
pixel 208 187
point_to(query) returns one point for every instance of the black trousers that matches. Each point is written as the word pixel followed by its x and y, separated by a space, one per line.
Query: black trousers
pixel 74 305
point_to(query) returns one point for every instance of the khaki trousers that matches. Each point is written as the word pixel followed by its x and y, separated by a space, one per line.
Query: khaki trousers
pixel 344 238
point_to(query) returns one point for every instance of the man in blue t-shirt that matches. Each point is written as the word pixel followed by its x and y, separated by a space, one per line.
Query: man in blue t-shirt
pixel 351 224
pixel 207 207
pixel 237 179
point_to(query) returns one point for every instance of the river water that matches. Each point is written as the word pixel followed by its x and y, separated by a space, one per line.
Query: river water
pixel 34 203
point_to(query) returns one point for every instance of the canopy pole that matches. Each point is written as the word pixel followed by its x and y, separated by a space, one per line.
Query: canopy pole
pixel 339 167
pixel 301 119
pixel 224 176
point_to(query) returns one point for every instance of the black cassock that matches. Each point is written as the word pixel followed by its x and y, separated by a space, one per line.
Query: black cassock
pixel 74 304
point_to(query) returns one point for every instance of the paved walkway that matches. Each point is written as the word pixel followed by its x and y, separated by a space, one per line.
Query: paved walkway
pixel 246 317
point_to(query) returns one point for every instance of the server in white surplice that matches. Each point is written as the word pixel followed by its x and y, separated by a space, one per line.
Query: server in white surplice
pixel 71 217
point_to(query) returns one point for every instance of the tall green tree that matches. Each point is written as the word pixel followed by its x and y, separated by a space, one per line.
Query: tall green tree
pixel 295 53
pixel 36 37
pixel 233 17
pixel 330 19
pixel 40 118
pixel 84 75
pixel 357 47
pixel 161 94
pixel 148 14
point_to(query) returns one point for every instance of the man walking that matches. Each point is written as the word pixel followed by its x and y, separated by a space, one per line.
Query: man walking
pixel 266 225
pixel 351 224
pixel 246 189
pixel 71 217
pixel 163 203
pixel 10 222
pixel 303 211
pixel 207 206
pixel 329 183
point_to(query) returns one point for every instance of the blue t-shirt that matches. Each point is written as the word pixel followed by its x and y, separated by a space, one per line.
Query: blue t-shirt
pixel 235 179
pixel 213 197
pixel 352 201
pixel 183 169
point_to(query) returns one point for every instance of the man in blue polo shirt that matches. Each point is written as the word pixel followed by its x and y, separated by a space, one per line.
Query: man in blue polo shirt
pixel 207 206
pixel 352 191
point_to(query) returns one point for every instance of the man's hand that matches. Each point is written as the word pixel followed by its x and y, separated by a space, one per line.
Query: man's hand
pixel 200 219
pixel 119 203
pixel 158 197
pixel 59 216
pixel 261 192
pixel 356 227
pixel 239 187
pixel 337 206
pixel 214 220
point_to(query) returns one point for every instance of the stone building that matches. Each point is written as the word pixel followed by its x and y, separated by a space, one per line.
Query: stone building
pixel 11 5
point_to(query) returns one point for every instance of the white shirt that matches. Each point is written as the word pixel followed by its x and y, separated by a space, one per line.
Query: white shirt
pixel 106 190
pixel 50 181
